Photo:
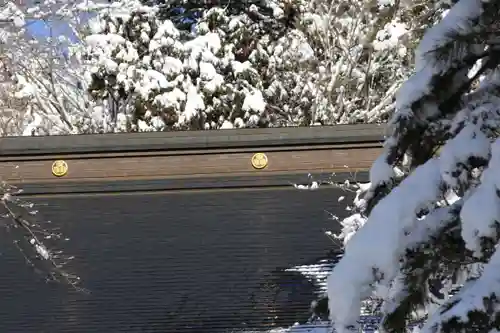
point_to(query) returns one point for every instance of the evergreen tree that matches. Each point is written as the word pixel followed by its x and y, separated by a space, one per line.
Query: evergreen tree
pixel 434 219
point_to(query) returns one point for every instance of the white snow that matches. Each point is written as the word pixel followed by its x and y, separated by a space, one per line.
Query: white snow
pixel 350 225
pixel 207 71
pixel 458 20
pixel 254 101
pixel 381 172
pixel 194 104
pixel 227 125
pixel 210 41
pixel 313 186
pixel 171 98
pixel 42 251
pixel 389 37
pixel 471 141
pixel 239 67
pixel 429 224
pixel 481 211
pixel 167 28
pixel 104 40
pixel 418 85
pixel 171 65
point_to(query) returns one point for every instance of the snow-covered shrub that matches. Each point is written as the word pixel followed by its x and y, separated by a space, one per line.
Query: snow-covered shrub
pixel 44 73
pixel 151 72
pixel 176 64
pixel 364 54
pixel 266 63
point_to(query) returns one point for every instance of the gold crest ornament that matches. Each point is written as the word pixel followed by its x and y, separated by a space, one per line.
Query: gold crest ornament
pixel 59 168
pixel 259 161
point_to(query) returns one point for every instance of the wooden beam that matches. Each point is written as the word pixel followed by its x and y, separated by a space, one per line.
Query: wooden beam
pixel 196 158
pixel 191 165
pixel 189 140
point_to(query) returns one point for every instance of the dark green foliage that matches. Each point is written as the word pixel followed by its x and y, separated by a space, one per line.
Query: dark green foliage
pixel 419 133
pixel 441 257
pixel 184 13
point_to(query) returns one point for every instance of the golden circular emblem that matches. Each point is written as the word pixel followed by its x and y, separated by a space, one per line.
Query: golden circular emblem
pixel 259 161
pixel 59 168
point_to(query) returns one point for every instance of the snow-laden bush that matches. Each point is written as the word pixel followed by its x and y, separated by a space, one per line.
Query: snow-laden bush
pixel 175 64
pixel 147 71
pixel 43 75
pixel 262 64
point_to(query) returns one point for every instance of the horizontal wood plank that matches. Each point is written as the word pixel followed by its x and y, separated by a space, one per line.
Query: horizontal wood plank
pixel 199 159
pixel 200 165
pixel 188 140
pixel 212 183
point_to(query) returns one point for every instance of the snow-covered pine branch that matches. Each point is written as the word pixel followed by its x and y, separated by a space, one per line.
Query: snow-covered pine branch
pixel 415 238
